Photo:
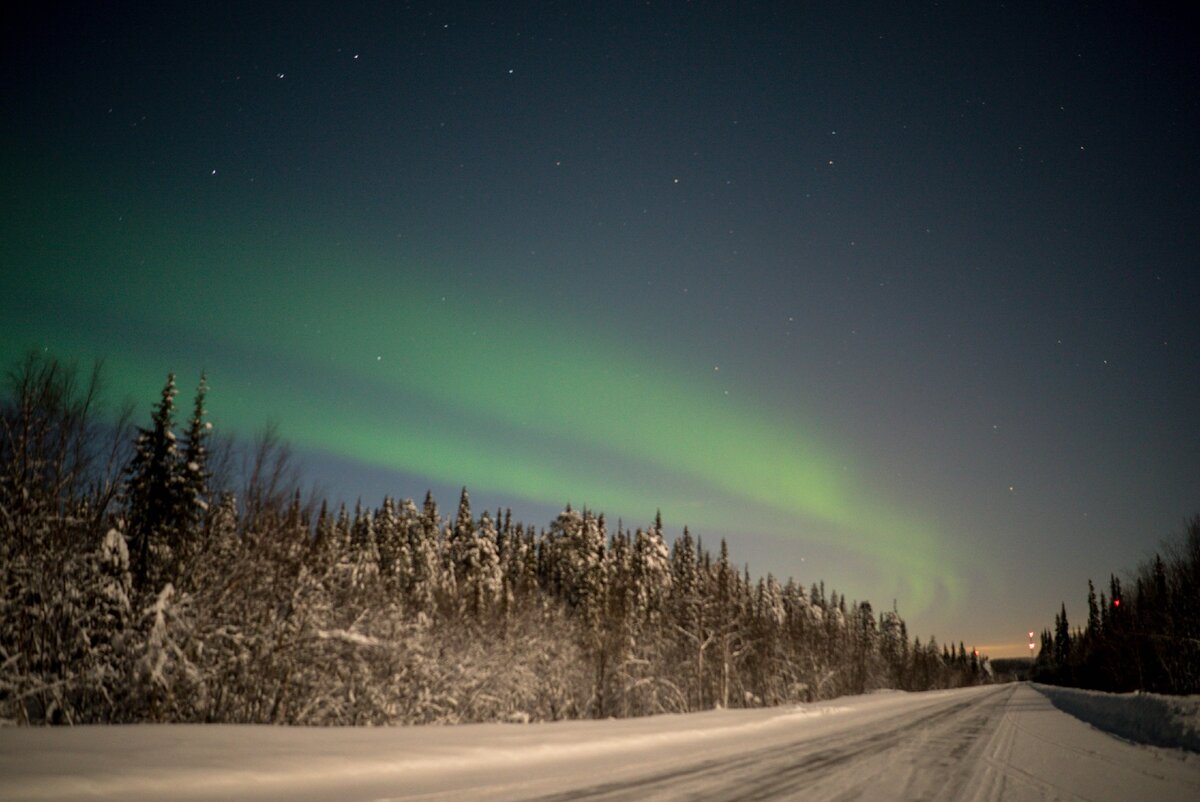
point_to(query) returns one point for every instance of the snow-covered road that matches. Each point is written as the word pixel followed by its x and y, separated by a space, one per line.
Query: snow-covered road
pixel 993 743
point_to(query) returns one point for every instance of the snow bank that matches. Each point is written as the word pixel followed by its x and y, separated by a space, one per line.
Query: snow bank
pixel 1148 718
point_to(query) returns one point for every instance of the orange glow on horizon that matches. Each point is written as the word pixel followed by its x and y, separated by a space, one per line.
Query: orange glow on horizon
pixel 995 651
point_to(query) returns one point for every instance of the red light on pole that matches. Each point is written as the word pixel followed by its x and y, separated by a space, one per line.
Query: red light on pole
pixel 1116 602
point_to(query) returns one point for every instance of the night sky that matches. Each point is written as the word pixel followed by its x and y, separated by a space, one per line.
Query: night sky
pixel 900 296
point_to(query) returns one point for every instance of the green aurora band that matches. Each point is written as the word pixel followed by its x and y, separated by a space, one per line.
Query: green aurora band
pixel 359 356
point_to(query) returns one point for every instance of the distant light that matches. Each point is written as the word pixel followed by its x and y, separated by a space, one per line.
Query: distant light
pixel 1031 634
pixel 1116 602
pixel 1031 647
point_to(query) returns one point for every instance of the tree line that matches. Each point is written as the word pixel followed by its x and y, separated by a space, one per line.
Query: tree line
pixel 142 579
pixel 1140 635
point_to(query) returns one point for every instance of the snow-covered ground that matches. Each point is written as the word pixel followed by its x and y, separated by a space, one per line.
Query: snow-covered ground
pixel 1148 718
pixel 992 743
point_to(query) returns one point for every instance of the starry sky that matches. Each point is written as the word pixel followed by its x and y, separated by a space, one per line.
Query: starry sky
pixel 899 296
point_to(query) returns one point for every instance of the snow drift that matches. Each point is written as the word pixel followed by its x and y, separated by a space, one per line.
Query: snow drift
pixel 1148 718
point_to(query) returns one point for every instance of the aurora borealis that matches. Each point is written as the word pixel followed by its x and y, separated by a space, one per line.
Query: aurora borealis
pixel 902 300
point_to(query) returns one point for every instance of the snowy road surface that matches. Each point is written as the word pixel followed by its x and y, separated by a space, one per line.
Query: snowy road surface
pixel 992 743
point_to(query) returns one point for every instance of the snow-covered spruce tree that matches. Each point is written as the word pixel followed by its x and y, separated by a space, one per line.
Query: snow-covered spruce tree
pixel 893 648
pixel 156 496
pixel 394 561
pixel 814 673
pixel 461 553
pixel 766 631
pixel 726 625
pixel 651 574
pixel 794 678
pixel 689 605
pixel 105 627
pixel 486 580
pixel 620 623
pixel 196 474
pixel 421 535
pixel 364 550
pixel 645 687
pixel 519 563
pixel 553 558
pixel 511 550
pixel 865 670
pixel 583 556
pixel 837 642
pixel 475 562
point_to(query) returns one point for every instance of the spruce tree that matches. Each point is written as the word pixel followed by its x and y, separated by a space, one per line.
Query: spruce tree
pixel 364 549
pixel 462 555
pixel 725 622
pixel 1093 624
pixel 196 474
pixel 422 548
pixel 651 573
pixel 486 581
pixel 157 503
pixel 1062 641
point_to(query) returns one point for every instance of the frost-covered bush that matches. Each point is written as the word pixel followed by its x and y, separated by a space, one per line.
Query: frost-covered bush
pixel 168 686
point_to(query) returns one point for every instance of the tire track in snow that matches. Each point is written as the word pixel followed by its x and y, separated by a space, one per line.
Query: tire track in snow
pixel 840 766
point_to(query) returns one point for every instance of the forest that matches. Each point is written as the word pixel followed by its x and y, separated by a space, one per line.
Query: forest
pixel 1140 636
pixel 163 573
